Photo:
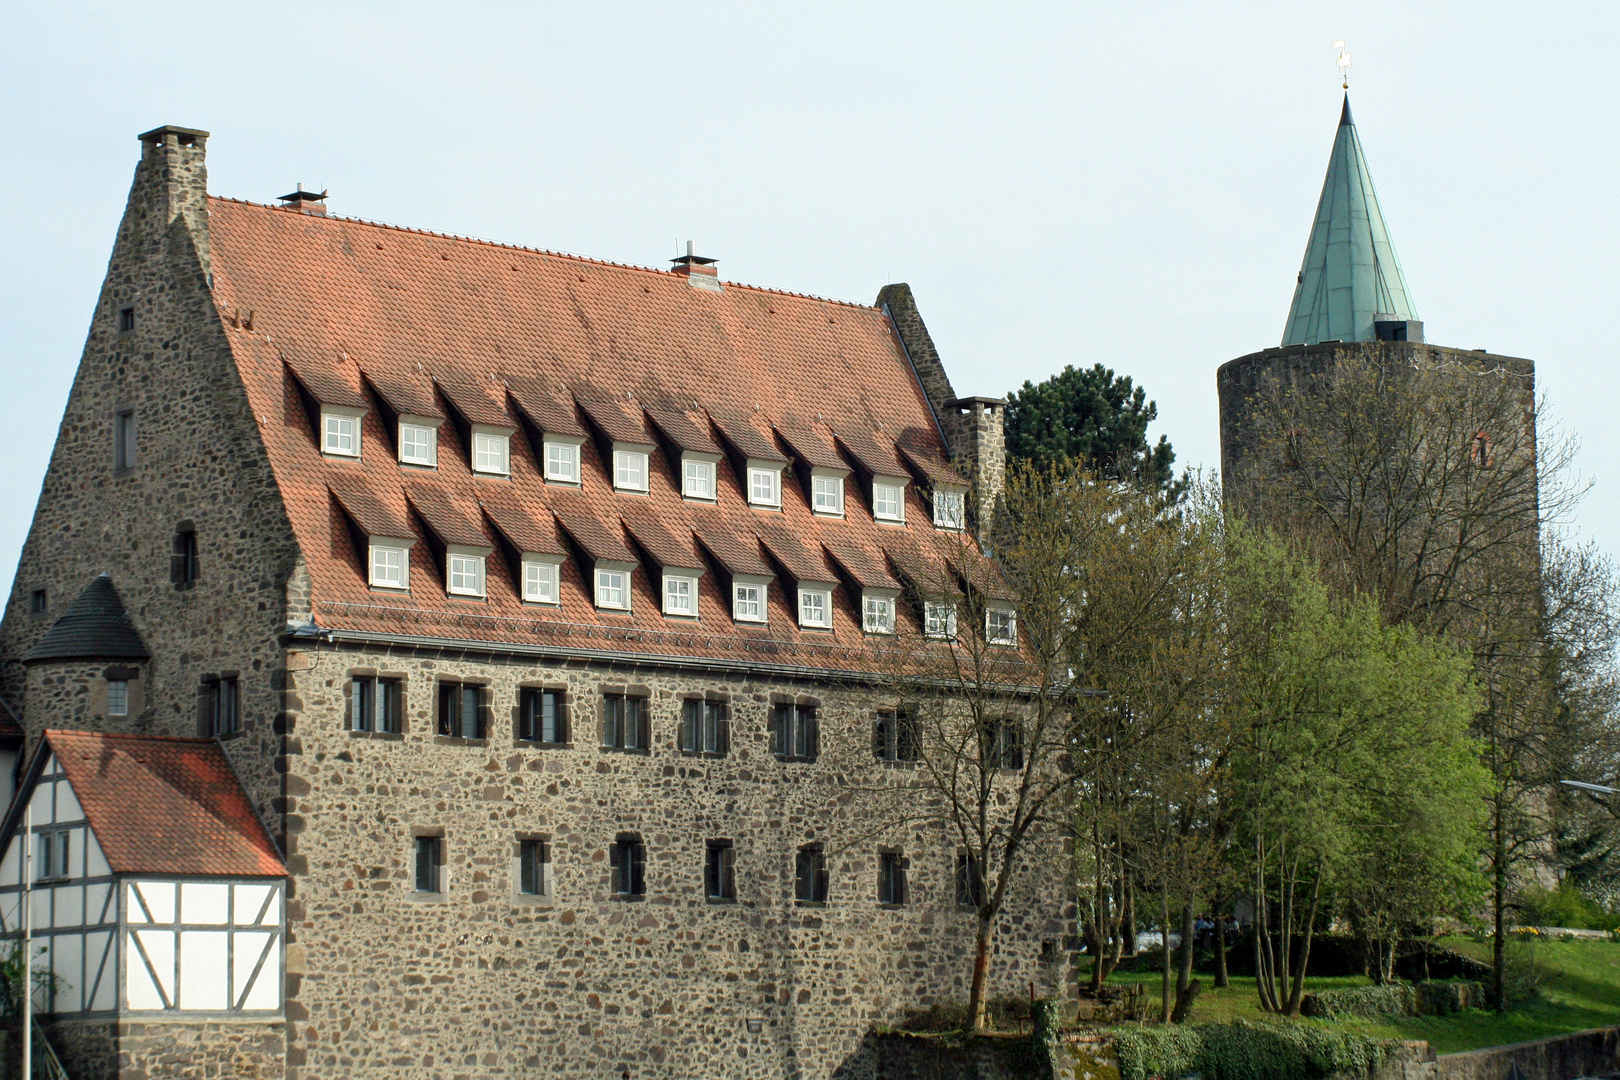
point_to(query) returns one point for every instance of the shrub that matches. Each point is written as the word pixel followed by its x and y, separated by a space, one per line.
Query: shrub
pixel 1370 1002
pixel 1244 1050
pixel 1563 907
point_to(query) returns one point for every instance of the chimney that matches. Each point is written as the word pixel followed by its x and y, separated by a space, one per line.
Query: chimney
pixel 975 431
pixel 305 202
pixel 700 273
pixel 173 176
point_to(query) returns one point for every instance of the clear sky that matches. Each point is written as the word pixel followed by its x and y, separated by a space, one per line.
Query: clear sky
pixel 1060 183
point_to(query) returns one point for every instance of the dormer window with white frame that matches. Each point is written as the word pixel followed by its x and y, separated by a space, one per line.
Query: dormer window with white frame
pixel 889 498
pixel 562 454
pixel 491 450
pixel 827 492
pixel 541 574
pixel 612 581
pixel 1001 626
pixel 630 466
pixel 748 598
pixel 764 484
pixel 877 611
pixel 388 561
pixel 950 507
pixel 464 571
pixel 815 606
pixel 419 440
pixel 340 431
pixel 700 476
pixel 681 593
pixel 939 620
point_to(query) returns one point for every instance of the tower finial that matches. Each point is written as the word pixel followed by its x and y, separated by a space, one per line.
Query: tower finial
pixel 1343 62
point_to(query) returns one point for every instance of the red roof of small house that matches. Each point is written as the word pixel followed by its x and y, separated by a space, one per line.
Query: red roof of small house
pixel 161 805
pixel 480 333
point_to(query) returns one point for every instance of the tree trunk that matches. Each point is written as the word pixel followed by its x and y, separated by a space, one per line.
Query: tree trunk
pixel 1221 981
pixel 1264 974
pixel 1164 940
pixel 1499 904
pixel 981 972
pixel 1297 991
pixel 1184 980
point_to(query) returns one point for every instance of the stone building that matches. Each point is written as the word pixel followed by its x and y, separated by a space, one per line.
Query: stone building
pixel 530 605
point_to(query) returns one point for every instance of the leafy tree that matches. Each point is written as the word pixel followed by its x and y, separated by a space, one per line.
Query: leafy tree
pixel 1094 417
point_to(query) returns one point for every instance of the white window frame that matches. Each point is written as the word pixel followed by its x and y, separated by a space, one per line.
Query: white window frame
pixel 939 620
pixel 626 457
pixel 761 598
pixel 500 436
pixel 834 479
pixel 898 484
pixel 823 592
pixel 877 611
pixel 562 476
pixel 949 495
pixel 117 697
pixel 340 415
pixel 401 545
pixel 457 562
pixel 709 463
pixel 761 470
pixel 602 577
pixel 542 578
pixel 1012 622
pixel 681 578
pixel 420 424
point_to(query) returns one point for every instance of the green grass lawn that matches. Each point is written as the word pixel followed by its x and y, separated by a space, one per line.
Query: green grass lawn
pixel 1580 988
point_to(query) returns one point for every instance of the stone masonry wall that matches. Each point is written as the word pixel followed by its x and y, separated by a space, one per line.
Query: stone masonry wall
pixel 484 983
pixel 211 1050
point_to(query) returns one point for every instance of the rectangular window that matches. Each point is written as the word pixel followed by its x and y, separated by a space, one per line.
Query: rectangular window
pixel 37 601
pixel 184 566
pixel 51 853
pixel 418 444
pixel 461 711
pixel 950 509
pixel 430 864
pixel 748 603
pixel 374 704
pixel 630 470
pixel 878 615
pixel 389 567
pixel 117 697
pixel 969 883
pixel 540 582
pixel 810 875
pixel 894 735
pixel 562 461
pixel 467 575
pixel 698 480
pixel 543 717
pixel 342 435
pixel 224 707
pixel 795 732
pixel 624 722
pixel 828 495
pixel 891 878
pixel 719 872
pixel 763 487
pixel 126 320
pixel 629 858
pixel 815 607
pixel 534 868
pixel 490 453
pixel 124 439
pixel 613 589
pixel 939 620
pixel 704 727
pixel 1001 627
pixel 1002 744
pixel 888 501
pixel 680 596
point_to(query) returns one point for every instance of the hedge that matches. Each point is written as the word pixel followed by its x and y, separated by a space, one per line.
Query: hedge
pixel 1244 1050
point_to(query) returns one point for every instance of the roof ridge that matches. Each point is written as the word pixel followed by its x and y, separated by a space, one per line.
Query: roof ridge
pixel 551 252
pixel 129 736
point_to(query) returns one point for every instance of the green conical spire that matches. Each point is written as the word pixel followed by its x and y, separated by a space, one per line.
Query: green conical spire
pixel 1350 273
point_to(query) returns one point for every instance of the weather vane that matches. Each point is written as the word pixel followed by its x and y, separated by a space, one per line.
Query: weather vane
pixel 1343 62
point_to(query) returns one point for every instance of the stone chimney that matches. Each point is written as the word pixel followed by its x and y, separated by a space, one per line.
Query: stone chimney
pixel 699 272
pixel 173 177
pixel 305 202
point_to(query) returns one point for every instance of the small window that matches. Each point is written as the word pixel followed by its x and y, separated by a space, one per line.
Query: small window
pixel 124 439
pixel 878 614
pixel 543 717
pixel 950 509
pixel 969 882
pixel 828 495
pixel 534 868
pixel 490 453
pixel 52 854
pixel 117 697
pixel 891 878
pixel 810 875
pixel 418 444
pixel 815 607
pixel 466 575
pixel 1002 744
pixel 461 711
pixel 36 602
pixel 888 501
pixel 795 732
pixel 342 434
pixel 184 569
pixel 1001 626
pixel 374 705
pixel 390 566
pixel 430 864
pixel 939 620
pixel 748 602
pixel 680 595
pixel 895 735
pixel 540 582
pixel 704 727
pixel 630 470
pixel 613 589
pixel 719 872
pixel 562 461
pixel 126 320
pixel 764 487
pixel 224 707
pixel 624 722
pixel 698 479
pixel 629 859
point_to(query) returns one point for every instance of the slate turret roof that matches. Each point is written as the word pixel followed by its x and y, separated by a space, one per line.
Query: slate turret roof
pixel 95 627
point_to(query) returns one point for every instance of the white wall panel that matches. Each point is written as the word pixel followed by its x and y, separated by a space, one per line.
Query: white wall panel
pixel 8 865
pixel 205 902
pixel 67 958
pixel 67 804
pixel 98 904
pixel 159 948
pixel 101 971
pixel 249 899
pixel 266 991
pixel 69 906
pixel 203 962
pixel 159 898
pixel 40 917
pixel 95 863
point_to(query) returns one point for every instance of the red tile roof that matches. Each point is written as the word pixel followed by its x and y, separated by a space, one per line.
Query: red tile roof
pixel 165 805
pixel 482 333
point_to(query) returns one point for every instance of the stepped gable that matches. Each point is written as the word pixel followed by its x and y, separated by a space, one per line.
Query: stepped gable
pixel 474 333
pixel 94 627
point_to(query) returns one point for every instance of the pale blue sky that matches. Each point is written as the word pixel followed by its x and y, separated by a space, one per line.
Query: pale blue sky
pixel 1060 183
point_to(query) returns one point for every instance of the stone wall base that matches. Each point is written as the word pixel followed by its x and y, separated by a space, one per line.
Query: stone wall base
pixel 171 1050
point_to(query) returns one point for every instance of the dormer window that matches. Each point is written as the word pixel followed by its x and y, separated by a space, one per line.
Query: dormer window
pixel 1001 626
pixel 815 606
pixel 629 467
pixel 889 498
pixel 939 620
pixel 340 431
pixel 540 574
pixel 877 611
pixel 765 484
pixel 419 440
pixel 950 507
pixel 613 586
pixel 698 476
pixel 748 598
pixel 680 594
pixel 390 562
pixel 465 571
pixel 562 458
pixel 827 492
pixel 491 450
